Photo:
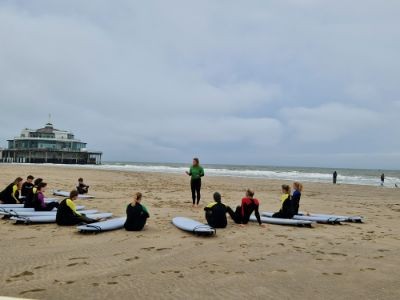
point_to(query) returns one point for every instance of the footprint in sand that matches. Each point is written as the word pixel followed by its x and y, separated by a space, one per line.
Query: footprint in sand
pixel 132 258
pixel 112 282
pixel 148 248
pixel 32 291
pixel 83 257
pixel 74 264
pixel 25 273
pixel 40 267
pixel 162 249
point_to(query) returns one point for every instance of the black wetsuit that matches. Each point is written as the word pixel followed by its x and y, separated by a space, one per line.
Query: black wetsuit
pixel 242 213
pixel 29 199
pixel 296 202
pixel 26 190
pixel 7 195
pixel 82 188
pixel 286 212
pixel 67 217
pixel 216 215
pixel 334 177
pixel 136 217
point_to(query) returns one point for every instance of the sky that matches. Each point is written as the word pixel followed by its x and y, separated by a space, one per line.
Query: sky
pixel 283 83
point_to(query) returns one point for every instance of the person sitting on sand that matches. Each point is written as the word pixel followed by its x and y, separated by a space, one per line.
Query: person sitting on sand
pixel 38 203
pixel 82 188
pixel 216 212
pixel 286 212
pixel 31 196
pixel 243 212
pixel 27 187
pixel 67 214
pixel 297 189
pixel 10 195
pixel 136 214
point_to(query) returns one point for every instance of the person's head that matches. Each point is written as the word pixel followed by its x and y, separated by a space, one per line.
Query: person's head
pixel 217 197
pixel 285 189
pixel 73 195
pixel 18 182
pixel 196 161
pixel 37 181
pixel 30 178
pixel 42 187
pixel 297 186
pixel 80 179
pixel 249 193
pixel 138 197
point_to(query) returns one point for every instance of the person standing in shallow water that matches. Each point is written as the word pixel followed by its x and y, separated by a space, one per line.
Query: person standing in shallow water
pixel 382 179
pixel 196 172
pixel 334 177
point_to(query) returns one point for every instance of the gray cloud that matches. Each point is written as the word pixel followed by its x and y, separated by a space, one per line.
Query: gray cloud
pixel 242 82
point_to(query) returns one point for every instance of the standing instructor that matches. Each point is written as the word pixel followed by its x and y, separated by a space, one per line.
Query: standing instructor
pixel 196 172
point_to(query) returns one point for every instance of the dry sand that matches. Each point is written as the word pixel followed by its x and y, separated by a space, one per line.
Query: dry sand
pixel 327 262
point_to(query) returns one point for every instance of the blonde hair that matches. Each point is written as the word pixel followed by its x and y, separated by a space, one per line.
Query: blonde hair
pixel 250 193
pixel 298 186
pixel 138 196
pixel 286 188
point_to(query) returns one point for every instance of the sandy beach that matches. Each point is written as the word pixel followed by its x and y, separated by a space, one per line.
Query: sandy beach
pixel 327 262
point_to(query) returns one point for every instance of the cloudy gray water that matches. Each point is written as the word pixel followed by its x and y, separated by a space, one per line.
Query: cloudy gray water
pixel 346 176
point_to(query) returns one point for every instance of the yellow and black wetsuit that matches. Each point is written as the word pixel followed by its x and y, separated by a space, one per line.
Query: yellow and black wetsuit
pixel 10 195
pixel 67 214
pixel 286 212
pixel 216 215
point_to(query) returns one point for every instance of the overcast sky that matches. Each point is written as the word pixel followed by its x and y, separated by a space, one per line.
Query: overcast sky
pixel 285 82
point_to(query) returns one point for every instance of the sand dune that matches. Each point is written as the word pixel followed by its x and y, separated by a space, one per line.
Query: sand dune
pixel 327 262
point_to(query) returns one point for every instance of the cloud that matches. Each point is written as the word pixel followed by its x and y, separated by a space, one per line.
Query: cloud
pixel 233 82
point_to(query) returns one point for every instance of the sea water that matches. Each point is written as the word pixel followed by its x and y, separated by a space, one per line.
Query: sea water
pixel 302 174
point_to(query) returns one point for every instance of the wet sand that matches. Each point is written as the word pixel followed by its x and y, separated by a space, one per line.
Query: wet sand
pixel 326 262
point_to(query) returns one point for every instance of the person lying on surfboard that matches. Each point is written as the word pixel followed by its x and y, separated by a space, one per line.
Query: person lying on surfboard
pixel 136 214
pixel 67 214
pixel 286 211
pixel 216 212
pixel 243 212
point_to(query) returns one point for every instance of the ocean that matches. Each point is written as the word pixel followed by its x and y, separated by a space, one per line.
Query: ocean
pixel 306 174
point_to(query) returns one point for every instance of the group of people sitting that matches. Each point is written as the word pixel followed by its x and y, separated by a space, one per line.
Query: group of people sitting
pixel 31 194
pixel 216 211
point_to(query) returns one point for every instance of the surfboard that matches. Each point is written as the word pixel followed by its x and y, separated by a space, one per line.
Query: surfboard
pixel 78 207
pixel 279 221
pixel 112 224
pixel 66 194
pixel 11 205
pixel 355 219
pixel 52 219
pixel 193 226
pixel 323 220
pixel 42 213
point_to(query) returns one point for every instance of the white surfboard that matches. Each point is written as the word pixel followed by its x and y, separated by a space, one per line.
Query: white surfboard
pixel 52 219
pixel 193 226
pixel 113 224
pixel 355 219
pixel 11 205
pixel 66 194
pixel 42 213
pixel 78 207
pixel 323 220
pixel 279 221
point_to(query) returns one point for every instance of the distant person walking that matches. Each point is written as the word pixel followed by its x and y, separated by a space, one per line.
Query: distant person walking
pixel 196 172
pixel 382 179
pixel 334 177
